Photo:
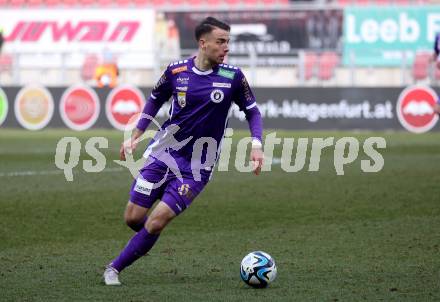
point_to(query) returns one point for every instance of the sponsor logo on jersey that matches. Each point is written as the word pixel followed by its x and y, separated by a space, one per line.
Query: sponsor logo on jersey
pixel 34 107
pixel 3 106
pixel 183 80
pixel 79 107
pixel 415 109
pixel 181 98
pixel 226 73
pixel 221 85
pixel 182 88
pixel 142 186
pixel 179 69
pixel 217 96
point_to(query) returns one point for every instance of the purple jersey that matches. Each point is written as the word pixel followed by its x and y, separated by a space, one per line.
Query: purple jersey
pixel 201 101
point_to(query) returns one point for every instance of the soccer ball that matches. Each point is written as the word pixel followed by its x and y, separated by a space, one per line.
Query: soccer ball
pixel 258 269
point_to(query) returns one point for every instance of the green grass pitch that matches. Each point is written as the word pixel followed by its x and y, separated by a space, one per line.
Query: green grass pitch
pixel 356 237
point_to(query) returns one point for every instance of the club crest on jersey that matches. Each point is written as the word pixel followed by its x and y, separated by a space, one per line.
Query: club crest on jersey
pixel 181 98
pixel 217 96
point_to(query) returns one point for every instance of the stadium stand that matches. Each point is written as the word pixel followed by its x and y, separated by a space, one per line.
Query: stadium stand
pixel 6 62
pixel 89 66
pixel 327 63
pixel 153 3
pixel 310 63
pixel 420 67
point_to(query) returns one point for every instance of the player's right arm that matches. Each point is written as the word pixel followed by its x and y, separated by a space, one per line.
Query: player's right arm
pixel 161 93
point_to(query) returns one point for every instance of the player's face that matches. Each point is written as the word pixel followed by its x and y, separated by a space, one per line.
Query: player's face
pixel 215 45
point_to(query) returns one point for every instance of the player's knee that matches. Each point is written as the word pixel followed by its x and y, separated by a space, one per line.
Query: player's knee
pixel 156 225
pixel 132 222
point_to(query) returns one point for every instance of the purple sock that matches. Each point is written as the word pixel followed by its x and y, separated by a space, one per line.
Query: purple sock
pixel 137 247
pixel 137 227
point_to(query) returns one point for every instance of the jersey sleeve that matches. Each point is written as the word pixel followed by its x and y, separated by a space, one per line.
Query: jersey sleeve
pixel 161 93
pixel 243 95
pixel 163 89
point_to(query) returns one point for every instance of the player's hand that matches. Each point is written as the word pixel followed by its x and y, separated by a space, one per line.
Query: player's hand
pixel 128 147
pixel 257 159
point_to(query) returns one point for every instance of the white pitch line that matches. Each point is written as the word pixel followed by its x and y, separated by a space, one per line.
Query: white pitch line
pixel 51 172
pixel 275 161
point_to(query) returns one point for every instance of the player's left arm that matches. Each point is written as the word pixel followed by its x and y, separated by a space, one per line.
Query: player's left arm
pixel 245 99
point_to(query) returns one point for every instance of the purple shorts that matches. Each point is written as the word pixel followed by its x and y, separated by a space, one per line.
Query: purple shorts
pixel 154 183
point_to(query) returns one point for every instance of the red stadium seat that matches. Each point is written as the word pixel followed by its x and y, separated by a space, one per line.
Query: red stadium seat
pixel 194 2
pixel 33 3
pixel 158 2
pixel 327 63
pixel 52 2
pixel 6 62
pixel 123 2
pixel 420 68
pixel 104 2
pixel 89 66
pixel 17 3
pixel 212 2
pixel 251 2
pixel 86 2
pixel 69 2
pixel 310 61
pixel 141 2
pixel 228 2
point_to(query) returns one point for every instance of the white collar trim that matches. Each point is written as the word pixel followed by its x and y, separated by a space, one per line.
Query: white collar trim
pixel 199 72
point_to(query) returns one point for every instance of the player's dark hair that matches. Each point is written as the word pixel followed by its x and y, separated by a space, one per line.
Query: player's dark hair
pixel 207 25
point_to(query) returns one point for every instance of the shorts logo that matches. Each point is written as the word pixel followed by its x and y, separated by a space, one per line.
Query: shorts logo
pixel 226 73
pixel 181 98
pixel 142 186
pixel 217 96
pixel 221 85
pixel 184 190
pixel 179 69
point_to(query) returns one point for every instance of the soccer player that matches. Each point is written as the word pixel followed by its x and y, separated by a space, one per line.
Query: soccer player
pixel 202 91
pixel 437 65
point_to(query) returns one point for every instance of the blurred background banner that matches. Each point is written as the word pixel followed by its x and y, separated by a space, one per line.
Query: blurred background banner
pixel 386 36
pixel 336 108
pixel 273 35
pixel 54 33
